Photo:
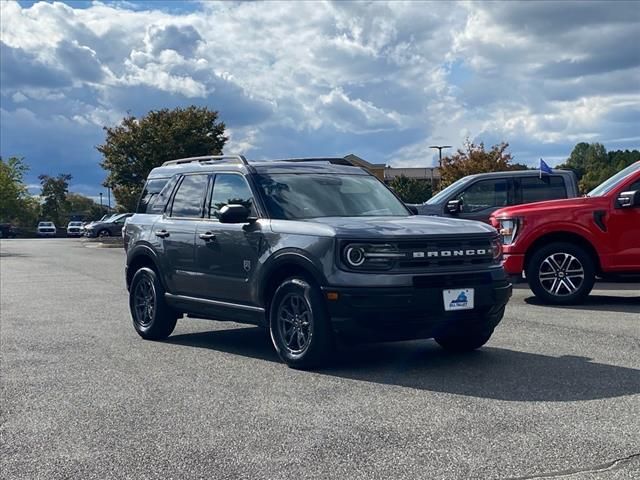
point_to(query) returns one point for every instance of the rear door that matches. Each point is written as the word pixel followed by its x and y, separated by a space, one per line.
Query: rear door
pixel 482 198
pixel 176 231
pixel 226 254
pixel 529 189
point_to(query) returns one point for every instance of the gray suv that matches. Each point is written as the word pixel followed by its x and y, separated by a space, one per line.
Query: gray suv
pixel 310 249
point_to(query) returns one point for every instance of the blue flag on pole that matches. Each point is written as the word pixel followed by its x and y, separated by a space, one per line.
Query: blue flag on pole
pixel 544 167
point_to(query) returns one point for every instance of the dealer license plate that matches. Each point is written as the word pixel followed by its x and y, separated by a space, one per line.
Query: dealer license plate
pixel 458 299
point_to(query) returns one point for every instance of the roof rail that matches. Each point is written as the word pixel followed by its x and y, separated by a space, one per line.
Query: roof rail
pixel 335 161
pixel 210 159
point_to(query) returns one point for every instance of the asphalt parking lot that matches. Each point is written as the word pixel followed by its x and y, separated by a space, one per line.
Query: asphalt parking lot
pixel 555 393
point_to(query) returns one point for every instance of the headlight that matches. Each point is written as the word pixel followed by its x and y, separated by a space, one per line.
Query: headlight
pixel 370 256
pixel 508 229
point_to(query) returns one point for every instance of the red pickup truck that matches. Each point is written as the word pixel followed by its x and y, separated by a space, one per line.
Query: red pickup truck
pixel 562 245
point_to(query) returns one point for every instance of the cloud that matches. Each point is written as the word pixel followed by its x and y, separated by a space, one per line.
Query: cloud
pixel 383 80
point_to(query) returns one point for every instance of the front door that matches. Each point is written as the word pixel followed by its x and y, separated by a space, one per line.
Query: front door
pixel 623 231
pixel 482 198
pixel 227 254
pixel 176 232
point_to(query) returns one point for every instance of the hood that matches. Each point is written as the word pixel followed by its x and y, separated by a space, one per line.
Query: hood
pixel 548 206
pixel 413 226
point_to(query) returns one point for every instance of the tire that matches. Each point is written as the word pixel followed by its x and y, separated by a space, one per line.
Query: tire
pixel 104 233
pixel 299 324
pixel 152 318
pixel 561 273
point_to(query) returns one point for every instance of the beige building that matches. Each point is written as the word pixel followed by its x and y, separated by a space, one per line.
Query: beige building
pixel 386 173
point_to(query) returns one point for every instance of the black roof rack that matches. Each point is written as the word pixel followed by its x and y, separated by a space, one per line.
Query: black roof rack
pixel 210 159
pixel 335 161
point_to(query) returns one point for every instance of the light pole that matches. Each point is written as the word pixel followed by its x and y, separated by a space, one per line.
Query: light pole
pixel 101 209
pixel 439 147
pixel 109 198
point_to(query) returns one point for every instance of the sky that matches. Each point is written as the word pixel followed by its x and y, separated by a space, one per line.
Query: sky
pixel 381 80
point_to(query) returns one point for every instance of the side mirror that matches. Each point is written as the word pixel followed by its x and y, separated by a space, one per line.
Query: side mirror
pixel 629 199
pixel 454 206
pixel 234 213
pixel 412 208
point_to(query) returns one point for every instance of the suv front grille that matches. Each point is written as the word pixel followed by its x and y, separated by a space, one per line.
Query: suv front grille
pixel 445 252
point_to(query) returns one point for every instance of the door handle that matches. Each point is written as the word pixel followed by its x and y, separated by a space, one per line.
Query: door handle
pixel 207 236
pixel 161 233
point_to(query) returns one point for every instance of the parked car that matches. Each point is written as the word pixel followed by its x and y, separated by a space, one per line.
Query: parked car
pixel 74 229
pixel 476 197
pixel 8 231
pixel 47 229
pixel 309 249
pixel 110 227
pixel 561 246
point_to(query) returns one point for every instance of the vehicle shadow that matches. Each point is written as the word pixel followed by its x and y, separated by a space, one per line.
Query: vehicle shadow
pixel 603 303
pixel 493 373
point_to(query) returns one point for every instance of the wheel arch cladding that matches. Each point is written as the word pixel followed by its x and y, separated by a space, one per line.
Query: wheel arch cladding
pixel 283 269
pixel 139 260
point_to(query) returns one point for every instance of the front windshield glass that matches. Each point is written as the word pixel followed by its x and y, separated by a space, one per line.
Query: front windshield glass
pixel 293 196
pixel 445 193
pixel 611 183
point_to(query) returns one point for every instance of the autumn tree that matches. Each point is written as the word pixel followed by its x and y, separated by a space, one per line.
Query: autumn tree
pixel 411 190
pixel 54 195
pixel 137 145
pixel 473 158
pixel 83 207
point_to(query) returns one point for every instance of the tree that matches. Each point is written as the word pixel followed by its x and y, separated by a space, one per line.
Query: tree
pixel 592 163
pixel 54 194
pixel 473 158
pixel 80 206
pixel 16 205
pixel 137 145
pixel 411 190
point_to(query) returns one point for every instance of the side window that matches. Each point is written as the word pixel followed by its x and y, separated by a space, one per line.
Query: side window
pixel 536 189
pixel 160 201
pixel 187 202
pixel 150 193
pixel 485 194
pixel 634 186
pixel 230 189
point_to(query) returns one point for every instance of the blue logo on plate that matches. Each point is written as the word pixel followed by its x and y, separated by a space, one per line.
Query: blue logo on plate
pixel 461 301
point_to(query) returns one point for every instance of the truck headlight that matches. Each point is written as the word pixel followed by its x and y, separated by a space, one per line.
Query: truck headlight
pixel 508 229
pixel 371 256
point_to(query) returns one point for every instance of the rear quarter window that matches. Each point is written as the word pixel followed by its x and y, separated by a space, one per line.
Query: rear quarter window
pixel 150 194
pixel 536 189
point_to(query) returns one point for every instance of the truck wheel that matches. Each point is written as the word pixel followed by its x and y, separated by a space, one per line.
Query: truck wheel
pixel 153 319
pixel 299 324
pixel 561 273
pixel 104 233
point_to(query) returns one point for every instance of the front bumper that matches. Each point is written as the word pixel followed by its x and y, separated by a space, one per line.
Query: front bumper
pixel 513 264
pixel 400 313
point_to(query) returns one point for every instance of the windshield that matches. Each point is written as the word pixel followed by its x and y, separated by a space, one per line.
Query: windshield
pixel 75 224
pixel 46 224
pixel 611 183
pixel 445 193
pixel 291 196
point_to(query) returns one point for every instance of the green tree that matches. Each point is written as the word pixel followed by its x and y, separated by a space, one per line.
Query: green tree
pixel 83 207
pixel 137 145
pixel 54 194
pixel 16 205
pixel 592 163
pixel 411 190
pixel 473 158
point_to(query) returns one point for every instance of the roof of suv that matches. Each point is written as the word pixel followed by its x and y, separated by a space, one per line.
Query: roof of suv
pixel 240 164
pixel 520 173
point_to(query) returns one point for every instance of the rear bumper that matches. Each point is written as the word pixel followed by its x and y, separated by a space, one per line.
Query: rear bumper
pixel 405 313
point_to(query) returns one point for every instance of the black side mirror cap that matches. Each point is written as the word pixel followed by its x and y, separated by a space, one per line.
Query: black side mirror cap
pixel 629 199
pixel 234 213
pixel 454 206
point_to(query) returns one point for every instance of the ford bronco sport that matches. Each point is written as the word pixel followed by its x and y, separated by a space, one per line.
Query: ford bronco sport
pixel 311 249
